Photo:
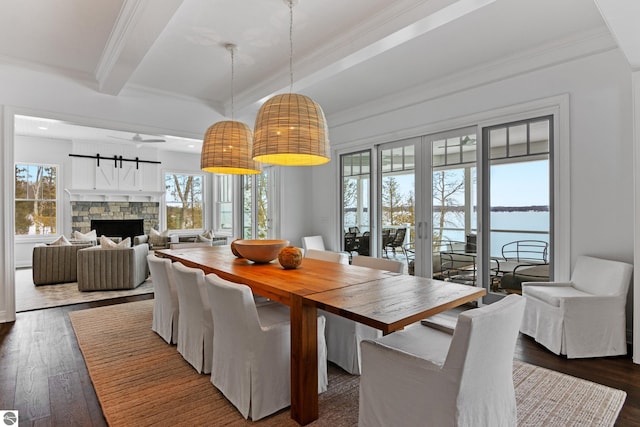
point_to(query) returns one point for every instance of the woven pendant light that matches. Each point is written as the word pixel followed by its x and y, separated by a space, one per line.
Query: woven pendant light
pixel 227 145
pixel 291 129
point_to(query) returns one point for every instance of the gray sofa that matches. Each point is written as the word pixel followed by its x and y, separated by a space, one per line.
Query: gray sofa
pixel 101 269
pixel 55 264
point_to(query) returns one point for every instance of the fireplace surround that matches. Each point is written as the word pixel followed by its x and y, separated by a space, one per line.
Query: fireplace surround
pixel 84 212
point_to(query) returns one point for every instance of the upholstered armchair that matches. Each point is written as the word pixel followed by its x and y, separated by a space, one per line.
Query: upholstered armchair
pixel 101 269
pixel 584 317
pixel 56 264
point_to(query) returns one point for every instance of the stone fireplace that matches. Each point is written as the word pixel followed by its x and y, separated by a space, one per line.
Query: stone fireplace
pixel 82 212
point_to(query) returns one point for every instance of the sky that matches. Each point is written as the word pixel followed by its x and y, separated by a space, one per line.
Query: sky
pixel 514 184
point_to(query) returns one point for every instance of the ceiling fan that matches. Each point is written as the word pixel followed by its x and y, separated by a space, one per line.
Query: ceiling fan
pixel 139 139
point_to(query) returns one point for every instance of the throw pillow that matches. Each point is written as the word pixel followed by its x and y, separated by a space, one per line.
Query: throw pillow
pixel 106 242
pixel 156 238
pixel 85 236
pixel 60 241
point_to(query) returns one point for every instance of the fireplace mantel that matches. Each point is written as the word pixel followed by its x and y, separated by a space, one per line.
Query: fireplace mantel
pixel 86 195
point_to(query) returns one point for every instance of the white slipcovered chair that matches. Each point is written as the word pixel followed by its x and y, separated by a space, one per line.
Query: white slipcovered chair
pixel 195 324
pixel 344 335
pixel 584 317
pixel 252 350
pixel 391 265
pixel 165 299
pixel 313 242
pixel 423 376
pixel 339 257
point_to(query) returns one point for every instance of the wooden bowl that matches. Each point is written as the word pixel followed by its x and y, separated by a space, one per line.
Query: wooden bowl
pixel 260 251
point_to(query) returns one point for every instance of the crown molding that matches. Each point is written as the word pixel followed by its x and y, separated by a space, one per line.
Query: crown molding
pixel 578 46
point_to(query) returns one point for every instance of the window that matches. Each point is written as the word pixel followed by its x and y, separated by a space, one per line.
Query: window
pixel 224 214
pixel 258 191
pixel 184 209
pixel 35 208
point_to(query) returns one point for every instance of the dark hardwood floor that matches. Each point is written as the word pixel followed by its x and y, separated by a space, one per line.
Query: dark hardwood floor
pixel 43 375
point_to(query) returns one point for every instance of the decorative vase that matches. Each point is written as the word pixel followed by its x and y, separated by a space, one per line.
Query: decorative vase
pixel 290 257
pixel 234 250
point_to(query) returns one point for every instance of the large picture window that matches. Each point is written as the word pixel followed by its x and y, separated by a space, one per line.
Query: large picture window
pixel 35 202
pixel 184 208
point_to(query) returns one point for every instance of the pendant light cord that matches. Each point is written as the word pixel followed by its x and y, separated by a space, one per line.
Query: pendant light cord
pixel 290 46
pixel 232 83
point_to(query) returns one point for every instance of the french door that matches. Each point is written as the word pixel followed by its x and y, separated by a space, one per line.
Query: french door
pixel 463 196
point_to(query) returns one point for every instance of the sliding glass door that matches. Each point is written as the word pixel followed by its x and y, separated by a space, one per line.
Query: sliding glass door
pixel 397 201
pixel 518 208
pixel 472 205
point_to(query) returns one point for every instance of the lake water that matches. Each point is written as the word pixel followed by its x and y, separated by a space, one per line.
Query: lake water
pixel 526 223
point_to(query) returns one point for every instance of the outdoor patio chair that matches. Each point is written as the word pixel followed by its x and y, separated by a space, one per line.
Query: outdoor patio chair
pixel 397 242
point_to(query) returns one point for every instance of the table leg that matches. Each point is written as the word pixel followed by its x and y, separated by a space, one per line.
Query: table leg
pixel 304 361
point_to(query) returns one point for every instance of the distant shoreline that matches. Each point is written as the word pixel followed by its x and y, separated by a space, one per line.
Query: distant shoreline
pixel 533 208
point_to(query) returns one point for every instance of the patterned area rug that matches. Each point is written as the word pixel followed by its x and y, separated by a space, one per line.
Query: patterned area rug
pixel 140 380
pixel 32 297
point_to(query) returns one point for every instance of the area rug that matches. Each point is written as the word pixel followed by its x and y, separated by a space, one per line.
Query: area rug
pixel 140 380
pixel 32 297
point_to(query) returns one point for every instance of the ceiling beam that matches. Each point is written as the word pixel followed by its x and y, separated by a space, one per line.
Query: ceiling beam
pixel 139 24
pixel 339 56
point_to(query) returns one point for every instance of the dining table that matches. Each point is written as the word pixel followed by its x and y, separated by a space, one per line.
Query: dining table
pixel 383 300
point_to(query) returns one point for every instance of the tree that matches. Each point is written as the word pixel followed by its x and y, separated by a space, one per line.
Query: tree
pixel 263 205
pixel 446 193
pixel 350 201
pixel 186 194
pixel 391 201
pixel 23 207
pixel 35 205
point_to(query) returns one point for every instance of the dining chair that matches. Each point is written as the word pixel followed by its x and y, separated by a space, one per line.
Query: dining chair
pixel 426 376
pixel 344 335
pixel 391 265
pixel 195 324
pixel 330 256
pixel 585 317
pixel 165 299
pixel 313 242
pixel 251 362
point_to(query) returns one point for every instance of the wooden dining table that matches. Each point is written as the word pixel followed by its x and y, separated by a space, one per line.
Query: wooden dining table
pixel 383 300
